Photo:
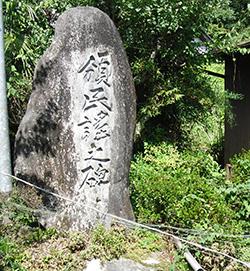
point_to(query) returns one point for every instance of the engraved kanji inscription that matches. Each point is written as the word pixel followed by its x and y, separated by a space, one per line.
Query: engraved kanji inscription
pixel 94 97
pixel 97 69
pixel 95 131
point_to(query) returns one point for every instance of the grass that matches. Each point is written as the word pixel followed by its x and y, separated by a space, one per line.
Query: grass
pixel 25 245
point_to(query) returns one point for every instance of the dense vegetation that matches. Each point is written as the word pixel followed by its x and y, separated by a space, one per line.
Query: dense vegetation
pixel 176 175
pixel 24 245
pixel 188 189
pixel 166 57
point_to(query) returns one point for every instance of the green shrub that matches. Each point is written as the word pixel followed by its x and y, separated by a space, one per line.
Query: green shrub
pixel 180 188
pixel 106 244
pixel 10 256
pixel 241 167
pixel 238 187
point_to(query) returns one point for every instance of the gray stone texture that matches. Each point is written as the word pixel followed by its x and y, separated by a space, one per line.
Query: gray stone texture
pixel 77 133
pixel 126 265
pixel 121 264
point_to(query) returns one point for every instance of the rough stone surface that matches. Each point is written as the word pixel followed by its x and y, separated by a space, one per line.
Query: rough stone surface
pixel 126 265
pixel 76 136
pixel 94 265
pixel 117 265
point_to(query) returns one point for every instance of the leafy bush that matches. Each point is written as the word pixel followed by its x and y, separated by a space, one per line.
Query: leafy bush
pixel 106 244
pixel 180 188
pixel 238 187
pixel 10 256
pixel 241 167
pixel 188 189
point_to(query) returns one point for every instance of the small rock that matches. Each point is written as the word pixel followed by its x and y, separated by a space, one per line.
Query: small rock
pixel 126 265
pixel 5 220
pixel 117 265
pixel 94 265
pixel 151 261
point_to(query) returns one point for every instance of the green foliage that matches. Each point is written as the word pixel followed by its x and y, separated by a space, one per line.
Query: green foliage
pixel 187 188
pixel 10 256
pixel 165 57
pixel 18 228
pixel 241 167
pixel 16 210
pixel 230 26
pixel 77 242
pixel 166 62
pixel 179 262
pixel 206 133
pixel 28 32
pixel 238 196
pixel 147 240
pixel 11 222
pixel 107 244
pixel 41 235
pixel 238 187
pixel 180 188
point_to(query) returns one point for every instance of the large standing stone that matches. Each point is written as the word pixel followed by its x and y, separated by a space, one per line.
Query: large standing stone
pixel 76 136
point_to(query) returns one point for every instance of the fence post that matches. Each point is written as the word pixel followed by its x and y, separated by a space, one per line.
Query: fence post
pixel 5 162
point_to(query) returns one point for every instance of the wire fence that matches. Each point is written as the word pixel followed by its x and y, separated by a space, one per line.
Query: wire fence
pixel 201 232
pixel 154 228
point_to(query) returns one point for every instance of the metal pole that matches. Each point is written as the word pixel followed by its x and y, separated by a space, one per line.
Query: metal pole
pixel 188 256
pixel 5 162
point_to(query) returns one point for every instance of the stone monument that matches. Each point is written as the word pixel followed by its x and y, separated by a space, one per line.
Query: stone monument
pixel 77 133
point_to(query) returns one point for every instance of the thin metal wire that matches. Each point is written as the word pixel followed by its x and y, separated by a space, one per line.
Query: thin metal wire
pixel 136 224
pixel 199 232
